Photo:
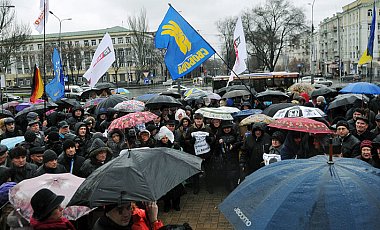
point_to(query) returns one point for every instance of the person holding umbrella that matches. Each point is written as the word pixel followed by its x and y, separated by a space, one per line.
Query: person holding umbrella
pixel 47 211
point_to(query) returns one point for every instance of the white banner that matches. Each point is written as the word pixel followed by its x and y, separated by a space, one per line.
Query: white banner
pixel 200 146
pixel 102 60
pixel 40 22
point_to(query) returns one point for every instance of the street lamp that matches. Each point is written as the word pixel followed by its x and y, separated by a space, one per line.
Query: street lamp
pixel 60 28
pixel 312 43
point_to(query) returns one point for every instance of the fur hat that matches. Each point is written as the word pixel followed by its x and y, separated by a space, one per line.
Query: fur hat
pixel 30 136
pixel 49 155
pixel 67 144
pixel 17 151
pixel 44 202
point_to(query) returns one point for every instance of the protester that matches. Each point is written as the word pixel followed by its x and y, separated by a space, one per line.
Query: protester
pixel 145 139
pixel 99 155
pixel 83 138
pixel 5 161
pixel 129 216
pixel 50 164
pixel 22 169
pixel 361 130
pixel 366 152
pixel 345 144
pixel 37 155
pixel 116 141
pixel 47 211
pixel 10 129
pixel 77 116
pixel 278 139
pixel 70 159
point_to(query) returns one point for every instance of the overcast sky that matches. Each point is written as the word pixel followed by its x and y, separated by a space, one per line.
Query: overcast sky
pixel 201 14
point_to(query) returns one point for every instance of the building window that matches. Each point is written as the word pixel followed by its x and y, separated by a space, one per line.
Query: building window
pixel 120 40
pixel 23 48
pixel 369 13
pixel 113 40
pixel 31 47
pixel 100 40
pixel 76 43
pixel 93 42
pixel 86 43
pixel 128 40
pixel 369 26
pixel 39 46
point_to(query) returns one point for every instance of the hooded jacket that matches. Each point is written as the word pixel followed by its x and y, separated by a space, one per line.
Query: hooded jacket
pixel 64 160
pixel 84 144
pixel 73 119
pixel 91 164
pixel 116 147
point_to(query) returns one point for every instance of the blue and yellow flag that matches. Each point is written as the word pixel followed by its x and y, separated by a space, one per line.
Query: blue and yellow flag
pixel 56 88
pixel 368 53
pixel 186 49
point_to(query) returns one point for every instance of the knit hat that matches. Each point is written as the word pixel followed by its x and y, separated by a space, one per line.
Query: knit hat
pixel 49 155
pixel 278 135
pixel 29 136
pixel 366 143
pixel 17 152
pixel 342 123
pixel 68 144
pixel 53 136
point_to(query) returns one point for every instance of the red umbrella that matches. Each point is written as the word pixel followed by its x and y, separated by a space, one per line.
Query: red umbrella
pixel 131 120
pixel 300 124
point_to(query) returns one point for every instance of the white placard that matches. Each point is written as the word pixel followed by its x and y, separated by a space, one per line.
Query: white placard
pixel 200 146
pixel 2 81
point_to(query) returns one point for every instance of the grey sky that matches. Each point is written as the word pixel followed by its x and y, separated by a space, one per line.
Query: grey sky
pixel 201 14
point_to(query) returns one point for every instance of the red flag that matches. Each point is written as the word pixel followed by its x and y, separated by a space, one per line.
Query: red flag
pixel 37 85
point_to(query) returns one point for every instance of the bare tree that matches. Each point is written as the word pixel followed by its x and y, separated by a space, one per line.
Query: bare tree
pixel 143 51
pixel 12 35
pixel 268 26
pixel 226 29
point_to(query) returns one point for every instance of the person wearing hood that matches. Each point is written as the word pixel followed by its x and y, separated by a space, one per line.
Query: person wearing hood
pixel 77 115
pixel 99 155
pixel 180 132
pixel 254 147
pixel 116 141
pixel 296 146
pixel 100 117
pixel 50 164
pixel 83 138
pixel 145 139
pixel 111 115
pixel 54 142
pixel 70 159
pixel 278 139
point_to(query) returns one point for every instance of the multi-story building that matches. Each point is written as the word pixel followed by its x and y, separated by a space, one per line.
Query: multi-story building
pixel 78 49
pixel 344 37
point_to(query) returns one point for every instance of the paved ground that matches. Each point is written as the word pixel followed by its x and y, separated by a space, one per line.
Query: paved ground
pixel 200 210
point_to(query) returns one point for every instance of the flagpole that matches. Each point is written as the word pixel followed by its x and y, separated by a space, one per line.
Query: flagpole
pixel 44 94
pixel 249 90
pixel 370 73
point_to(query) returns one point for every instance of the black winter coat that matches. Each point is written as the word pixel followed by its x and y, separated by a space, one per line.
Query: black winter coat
pixel 253 150
pixel 349 146
pixel 23 173
pixel 64 160
pixel 42 170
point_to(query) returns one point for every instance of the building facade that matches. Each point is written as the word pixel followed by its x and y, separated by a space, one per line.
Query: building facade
pixel 77 50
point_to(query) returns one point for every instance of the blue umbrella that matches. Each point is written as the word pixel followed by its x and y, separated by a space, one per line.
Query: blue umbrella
pixel 246 113
pixel 120 91
pixel 12 142
pixel 361 88
pixel 145 97
pixel 307 194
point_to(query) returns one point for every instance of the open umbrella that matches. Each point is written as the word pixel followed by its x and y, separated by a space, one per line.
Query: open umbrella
pixel 61 184
pixel 162 100
pixel 93 102
pixel 12 141
pixel 301 88
pixel 23 105
pixel 145 97
pixel 273 108
pixel 104 85
pixel 307 194
pixel 172 94
pixel 110 102
pixel 271 93
pixel 256 118
pixel 322 91
pixel 191 91
pixel 130 106
pixel 5 113
pixel 299 111
pixel 229 109
pixel 215 113
pixel 301 124
pixel 86 93
pixel 120 91
pixel 247 112
pixel 9 104
pixel 146 175
pixel 67 103
pixel 346 99
pixel 213 96
pixel 236 93
pixel 131 120
pixel 38 108
pixel 361 88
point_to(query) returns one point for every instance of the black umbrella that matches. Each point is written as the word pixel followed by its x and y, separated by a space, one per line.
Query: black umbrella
pixel 86 93
pixel 110 102
pixel 144 174
pixel 67 102
pixel 38 108
pixel 271 93
pixel 307 194
pixel 5 113
pixel 171 93
pixel 322 91
pixel 346 99
pixel 162 100
pixel 104 85
pixel 272 109
pixel 223 90
pixel 236 93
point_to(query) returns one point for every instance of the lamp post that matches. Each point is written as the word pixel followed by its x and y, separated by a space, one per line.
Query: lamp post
pixel 312 70
pixel 60 29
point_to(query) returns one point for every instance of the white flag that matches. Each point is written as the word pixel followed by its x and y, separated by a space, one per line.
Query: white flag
pixel 240 50
pixel 40 22
pixel 103 58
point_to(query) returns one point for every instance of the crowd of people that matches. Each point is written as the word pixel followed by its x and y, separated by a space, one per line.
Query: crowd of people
pixel 77 141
